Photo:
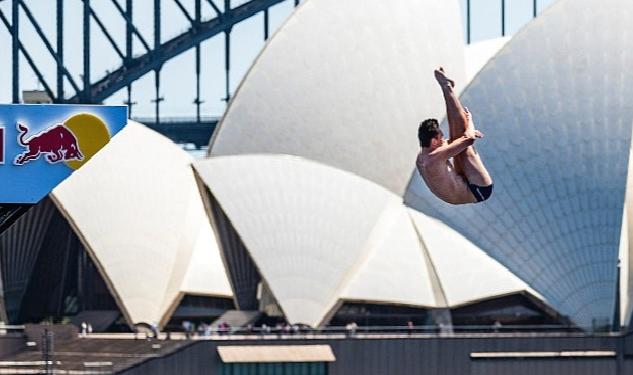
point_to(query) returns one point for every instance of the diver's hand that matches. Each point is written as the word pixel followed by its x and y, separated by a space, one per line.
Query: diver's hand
pixel 473 134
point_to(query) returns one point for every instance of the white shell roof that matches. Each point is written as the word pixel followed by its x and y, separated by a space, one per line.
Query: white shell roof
pixel 346 83
pixel 138 212
pixel 554 105
pixel 320 236
pixel 626 255
pixel 394 269
pixel 626 281
pixel 205 258
pixel 467 274
pixel 316 233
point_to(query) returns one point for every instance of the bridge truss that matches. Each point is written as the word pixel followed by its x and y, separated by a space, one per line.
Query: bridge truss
pixel 153 55
pixel 195 130
pixel 131 68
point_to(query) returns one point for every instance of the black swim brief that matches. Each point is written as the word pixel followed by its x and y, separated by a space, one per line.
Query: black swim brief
pixel 481 193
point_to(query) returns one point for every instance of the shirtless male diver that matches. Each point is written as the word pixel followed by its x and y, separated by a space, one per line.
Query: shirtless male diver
pixel 466 180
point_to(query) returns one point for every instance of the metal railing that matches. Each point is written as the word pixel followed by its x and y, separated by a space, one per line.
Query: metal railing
pixel 11 330
pixel 177 119
pixel 302 332
pixel 392 330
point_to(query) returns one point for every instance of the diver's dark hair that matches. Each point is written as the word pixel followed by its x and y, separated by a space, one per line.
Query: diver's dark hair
pixel 428 130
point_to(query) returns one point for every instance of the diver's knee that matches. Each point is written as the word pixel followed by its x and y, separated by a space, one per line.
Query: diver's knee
pixel 470 152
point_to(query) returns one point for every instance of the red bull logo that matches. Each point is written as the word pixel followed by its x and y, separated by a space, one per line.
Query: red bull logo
pixel 57 143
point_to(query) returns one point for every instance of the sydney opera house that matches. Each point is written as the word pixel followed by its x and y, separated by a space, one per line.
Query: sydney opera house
pixel 308 209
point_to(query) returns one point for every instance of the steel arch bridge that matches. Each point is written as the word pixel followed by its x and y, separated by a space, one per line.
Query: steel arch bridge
pixel 196 130
pixel 225 16
pixel 89 91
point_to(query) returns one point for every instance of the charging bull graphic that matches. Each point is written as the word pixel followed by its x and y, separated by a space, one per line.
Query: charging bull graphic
pixel 58 143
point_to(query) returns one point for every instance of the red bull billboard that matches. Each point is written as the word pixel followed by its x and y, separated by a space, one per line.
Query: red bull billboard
pixel 41 145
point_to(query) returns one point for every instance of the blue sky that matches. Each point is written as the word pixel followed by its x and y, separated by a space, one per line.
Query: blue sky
pixel 178 75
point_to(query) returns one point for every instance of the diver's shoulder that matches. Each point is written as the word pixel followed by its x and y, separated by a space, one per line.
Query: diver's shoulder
pixel 426 160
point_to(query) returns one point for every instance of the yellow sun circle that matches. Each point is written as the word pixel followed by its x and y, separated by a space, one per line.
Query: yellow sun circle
pixel 91 133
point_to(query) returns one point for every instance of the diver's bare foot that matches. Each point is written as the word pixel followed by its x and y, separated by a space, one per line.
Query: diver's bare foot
pixel 442 79
pixel 469 118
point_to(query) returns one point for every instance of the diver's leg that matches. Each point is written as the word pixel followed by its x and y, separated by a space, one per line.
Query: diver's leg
pixel 455 113
pixel 474 169
pixel 456 116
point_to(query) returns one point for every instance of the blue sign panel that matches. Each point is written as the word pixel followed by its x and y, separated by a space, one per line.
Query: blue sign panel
pixel 41 145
